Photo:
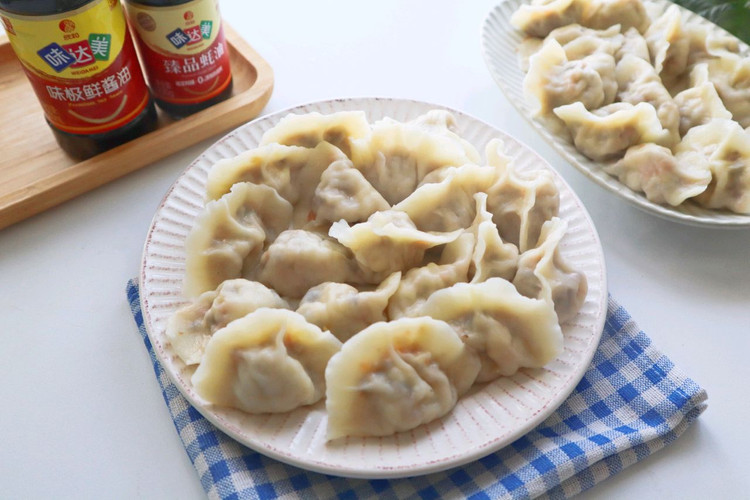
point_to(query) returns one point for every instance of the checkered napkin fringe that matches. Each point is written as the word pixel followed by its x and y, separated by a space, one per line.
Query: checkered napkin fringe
pixel 631 402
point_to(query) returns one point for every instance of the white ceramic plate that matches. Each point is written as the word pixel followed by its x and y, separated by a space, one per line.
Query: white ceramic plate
pixel 484 421
pixel 500 41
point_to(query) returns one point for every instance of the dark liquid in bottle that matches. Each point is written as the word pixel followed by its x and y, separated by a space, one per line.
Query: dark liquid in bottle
pixel 90 143
pixel 183 110
pixel 172 90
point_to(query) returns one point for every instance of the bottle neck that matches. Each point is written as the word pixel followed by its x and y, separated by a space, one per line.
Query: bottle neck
pixel 41 7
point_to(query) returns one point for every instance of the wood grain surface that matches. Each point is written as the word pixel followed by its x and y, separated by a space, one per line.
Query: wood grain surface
pixel 36 175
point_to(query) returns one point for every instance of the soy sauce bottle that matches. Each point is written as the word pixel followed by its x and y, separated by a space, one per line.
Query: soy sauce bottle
pixel 183 52
pixel 80 59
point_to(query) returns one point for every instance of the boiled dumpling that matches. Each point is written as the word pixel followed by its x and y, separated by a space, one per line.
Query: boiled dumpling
pixel 293 171
pixel 507 330
pixel 187 331
pixel 397 156
pixel 633 43
pixel 664 178
pixel 553 80
pixel 727 147
pixel 388 242
pixel 520 202
pixel 707 44
pixel 527 48
pixel 448 204
pixel 544 274
pixel 668 44
pixel 730 74
pixel 601 14
pixel 700 103
pixel 269 361
pixel 343 310
pixel 442 123
pixel 344 193
pixel 610 37
pixel 229 235
pixel 298 260
pixel 607 132
pixel 420 282
pixel 395 376
pixel 544 84
pixel 542 16
pixel 496 157
pixel 310 129
pixel 579 41
pixel 492 257
pixel 192 325
pixel 638 82
pixel 237 298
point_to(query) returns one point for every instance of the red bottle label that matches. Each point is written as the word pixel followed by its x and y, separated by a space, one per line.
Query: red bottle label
pixel 82 66
pixel 183 50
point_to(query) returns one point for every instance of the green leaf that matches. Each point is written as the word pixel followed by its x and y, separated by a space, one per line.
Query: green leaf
pixel 732 15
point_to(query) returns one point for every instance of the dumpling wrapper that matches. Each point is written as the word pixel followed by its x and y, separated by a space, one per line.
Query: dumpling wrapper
pixel 343 310
pixel 520 202
pixel 579 41
pixel 310 129
pixel 229 235
pixel 638 82
pixel 344 193
pixel 492 257
pixel 192 325
pixel 544 274
pixel 397 156
pixel 507 330
pixel 392 377
pixel 299 260
pixel 668 45
pixel 448 203
pixel 419 283
pixel 700 103
pixel 601 14
pixel 553 80
pixel 730 74
pixel 609 131
pixel 663 177
pixel 293 171
pixel 540 18
pixel 388 242
pixel 270 361
pixel 726 146
pixel 634 44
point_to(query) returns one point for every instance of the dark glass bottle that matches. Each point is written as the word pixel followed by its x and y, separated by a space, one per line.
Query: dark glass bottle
pixel 80 59
pixel 183 52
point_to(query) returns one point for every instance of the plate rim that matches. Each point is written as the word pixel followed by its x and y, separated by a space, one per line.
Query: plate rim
pixel 382 471
pixel 610 183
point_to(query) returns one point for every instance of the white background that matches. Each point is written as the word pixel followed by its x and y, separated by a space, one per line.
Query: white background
pixel 82 414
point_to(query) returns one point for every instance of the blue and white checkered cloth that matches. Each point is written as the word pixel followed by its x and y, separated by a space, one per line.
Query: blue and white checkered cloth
pixel 631 402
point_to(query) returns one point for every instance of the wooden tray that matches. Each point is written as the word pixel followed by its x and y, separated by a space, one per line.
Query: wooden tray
pixel 35 174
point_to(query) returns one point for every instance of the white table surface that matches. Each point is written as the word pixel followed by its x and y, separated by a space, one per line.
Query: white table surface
pixel 82 414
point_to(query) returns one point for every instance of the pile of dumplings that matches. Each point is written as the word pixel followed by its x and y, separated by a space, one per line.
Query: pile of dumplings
pixel 661 102
pixel 384 267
